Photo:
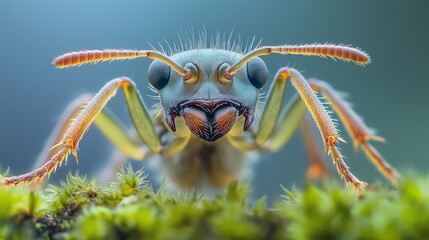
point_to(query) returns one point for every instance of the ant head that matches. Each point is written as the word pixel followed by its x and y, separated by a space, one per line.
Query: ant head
pixel 207 100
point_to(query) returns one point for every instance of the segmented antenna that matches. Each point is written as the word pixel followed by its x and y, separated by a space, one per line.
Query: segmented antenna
pixel 341 52
pixel 94 56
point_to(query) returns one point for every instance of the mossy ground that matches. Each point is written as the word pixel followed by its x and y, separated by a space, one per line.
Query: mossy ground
pixel 130 209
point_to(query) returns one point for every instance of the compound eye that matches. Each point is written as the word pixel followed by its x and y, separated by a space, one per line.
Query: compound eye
pixel 257 72
pixel 158 74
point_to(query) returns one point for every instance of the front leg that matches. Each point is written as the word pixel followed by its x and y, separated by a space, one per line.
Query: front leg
pixel 74 133
pixel 272 134
pixel 355 126
pixel 323 121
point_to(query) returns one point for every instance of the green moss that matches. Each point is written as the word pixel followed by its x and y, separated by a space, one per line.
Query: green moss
pixel 130 209
pixel 19 209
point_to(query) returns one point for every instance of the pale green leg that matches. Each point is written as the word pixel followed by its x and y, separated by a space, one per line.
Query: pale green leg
pixel 142 121
pixel 272 110
pixel 118 135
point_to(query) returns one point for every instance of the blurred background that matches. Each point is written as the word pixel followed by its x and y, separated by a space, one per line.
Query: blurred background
pixel 390 93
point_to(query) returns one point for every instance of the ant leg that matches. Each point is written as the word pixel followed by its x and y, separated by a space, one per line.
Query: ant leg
pixel 354 125
pixel 71 112
pixel 293 116
pixel 74 133
pixel 323 121
pixel 356 128
pixel 106 123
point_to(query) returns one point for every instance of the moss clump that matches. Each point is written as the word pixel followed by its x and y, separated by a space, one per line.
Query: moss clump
pixel 331 212
pixel 130 209
pixel 19 211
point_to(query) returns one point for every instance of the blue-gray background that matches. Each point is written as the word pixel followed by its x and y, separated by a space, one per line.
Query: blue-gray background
pixel 391 93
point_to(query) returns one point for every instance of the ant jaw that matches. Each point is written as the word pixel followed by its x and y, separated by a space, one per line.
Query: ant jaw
pixel 209 119
pixel 210 126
